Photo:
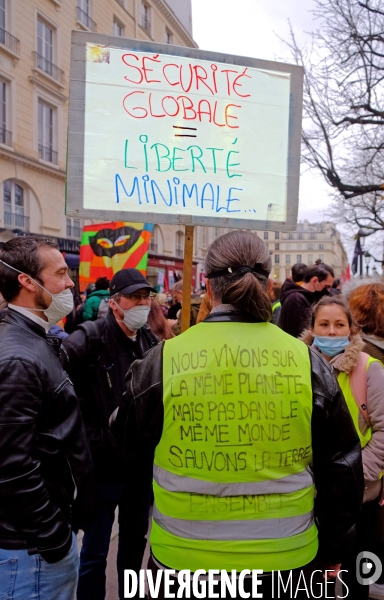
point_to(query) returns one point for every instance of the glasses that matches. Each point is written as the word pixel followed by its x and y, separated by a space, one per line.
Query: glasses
pixel 138 297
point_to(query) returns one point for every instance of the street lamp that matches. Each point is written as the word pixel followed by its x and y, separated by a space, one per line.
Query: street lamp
pixel 367 258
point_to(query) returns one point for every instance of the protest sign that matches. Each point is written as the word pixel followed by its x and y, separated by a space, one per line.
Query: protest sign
pixel 166 134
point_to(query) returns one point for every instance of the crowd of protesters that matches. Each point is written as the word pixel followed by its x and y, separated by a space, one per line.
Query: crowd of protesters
pixel 105 404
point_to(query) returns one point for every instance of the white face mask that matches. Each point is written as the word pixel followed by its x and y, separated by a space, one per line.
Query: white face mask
pixel 135 317
pixel 61 305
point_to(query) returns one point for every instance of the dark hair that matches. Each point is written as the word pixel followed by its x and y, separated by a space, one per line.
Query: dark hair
pixel 22 253
pixel 102 283
pixel 328 301
pixel 336 283
pixel 367 306
pixel 158 323
pixel 247 292
pixel 298 272
pixel 320 271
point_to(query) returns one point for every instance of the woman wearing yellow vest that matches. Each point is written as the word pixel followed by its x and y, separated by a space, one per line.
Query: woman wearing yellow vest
pixel 240 422
pixel 361 379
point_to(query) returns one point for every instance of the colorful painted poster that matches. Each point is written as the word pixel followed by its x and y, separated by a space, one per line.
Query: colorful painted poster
pixel 109 247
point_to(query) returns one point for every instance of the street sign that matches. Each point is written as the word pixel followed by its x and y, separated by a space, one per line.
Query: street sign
pixel 166 134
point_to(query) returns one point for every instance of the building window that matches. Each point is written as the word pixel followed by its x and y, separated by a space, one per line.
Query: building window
pixel 276 274
pixel 266 235
pixel 300 236
pixel 298 258
pixel 168 36
pixel 84 14
pixel 203 231
pixel 287 246
pixel 288 258
pixel 277 246
pixel 44 47
pixel 46 132
pixel 5 135
pixel 288 272
pixel 312 236
pixel 310 259
pixel 321 256
pixel 299 246
pixel 277 235
pixel 179 244
pixel 154 243
pixel 145 18
pixel 310 247
pixel 118 29
pixel 14 206
pixel 277 258
pixel 290 236
pixel 321 246
pixel 73 228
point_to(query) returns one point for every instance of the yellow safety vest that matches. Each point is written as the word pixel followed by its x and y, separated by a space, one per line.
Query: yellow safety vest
pixel 345 385
pixel 232 479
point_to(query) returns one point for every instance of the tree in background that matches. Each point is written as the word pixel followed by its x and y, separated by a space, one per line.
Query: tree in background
pixel 343 130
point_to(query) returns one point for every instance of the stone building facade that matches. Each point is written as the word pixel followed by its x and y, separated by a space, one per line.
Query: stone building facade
pixel 35 39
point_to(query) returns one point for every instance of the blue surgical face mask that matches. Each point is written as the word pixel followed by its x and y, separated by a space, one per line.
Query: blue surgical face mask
pixel 331 346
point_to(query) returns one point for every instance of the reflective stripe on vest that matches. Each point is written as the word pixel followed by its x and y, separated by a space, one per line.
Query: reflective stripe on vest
pixel 345 385
pixel 258 529
pixel 232 480
pixel 275 305
pixel 177 483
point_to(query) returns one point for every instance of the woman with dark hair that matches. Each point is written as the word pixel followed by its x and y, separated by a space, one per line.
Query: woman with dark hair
pixel 158 323
pixel 367 307
pixel 239 423
pixel 361 378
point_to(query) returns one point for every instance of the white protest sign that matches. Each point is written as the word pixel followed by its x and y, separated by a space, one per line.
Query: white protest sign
pixel 175 138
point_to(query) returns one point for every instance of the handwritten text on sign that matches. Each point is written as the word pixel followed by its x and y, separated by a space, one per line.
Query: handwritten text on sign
pixel 256 407
pixel 169 134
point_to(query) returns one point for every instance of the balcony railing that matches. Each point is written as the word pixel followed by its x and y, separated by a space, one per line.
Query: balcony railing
pixel 146 24
pixel 73 232
pixel 5 137
pixel 14 221
pixel 45 65
pixel 47 154
pixel 86 20
pixel 9 41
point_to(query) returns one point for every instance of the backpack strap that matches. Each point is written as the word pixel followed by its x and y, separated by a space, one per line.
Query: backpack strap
pixel 95 338
pixel 358 382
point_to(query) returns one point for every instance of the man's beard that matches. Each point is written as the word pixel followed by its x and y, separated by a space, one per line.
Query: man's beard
pixel 39 299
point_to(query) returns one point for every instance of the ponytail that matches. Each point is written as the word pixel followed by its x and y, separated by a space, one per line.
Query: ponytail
pixel 238 263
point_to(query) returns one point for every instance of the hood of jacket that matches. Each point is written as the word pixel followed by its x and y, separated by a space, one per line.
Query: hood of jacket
pixel 290 287
pixel 347 360
pixel 99 294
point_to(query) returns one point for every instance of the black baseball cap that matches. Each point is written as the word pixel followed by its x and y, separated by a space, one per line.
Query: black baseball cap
pixel 128 281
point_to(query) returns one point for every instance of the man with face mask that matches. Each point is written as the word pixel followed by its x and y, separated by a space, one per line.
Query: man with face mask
pixel 45 463
pixel 296 300
pixel 97 357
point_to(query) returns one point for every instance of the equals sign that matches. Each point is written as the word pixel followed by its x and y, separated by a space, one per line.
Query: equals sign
pixel 185 134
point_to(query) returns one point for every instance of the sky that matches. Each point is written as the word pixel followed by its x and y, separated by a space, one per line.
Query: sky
pixel 253 28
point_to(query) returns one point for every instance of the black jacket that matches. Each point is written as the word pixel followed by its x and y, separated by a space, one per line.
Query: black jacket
pixel 97 357
pixel 296 303
pixel 337 463
pixel 43 447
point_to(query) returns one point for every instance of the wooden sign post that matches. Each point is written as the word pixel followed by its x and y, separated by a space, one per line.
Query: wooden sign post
pixel 187 278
